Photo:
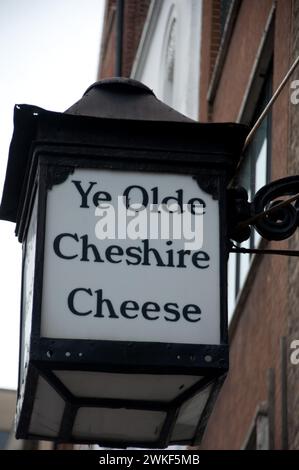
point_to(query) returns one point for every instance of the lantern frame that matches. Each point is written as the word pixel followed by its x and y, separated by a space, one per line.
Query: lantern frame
pixel 46 148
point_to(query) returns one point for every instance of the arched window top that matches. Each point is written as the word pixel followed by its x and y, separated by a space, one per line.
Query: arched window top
pixel 170 51
pixel 168 58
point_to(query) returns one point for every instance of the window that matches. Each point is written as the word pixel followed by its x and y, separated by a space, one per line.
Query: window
pixel 254 173
pixel 3 439
pixel 224 10
pixel 258 437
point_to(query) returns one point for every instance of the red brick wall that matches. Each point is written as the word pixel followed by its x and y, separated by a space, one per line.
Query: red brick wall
pixel 293 265
pixel 209 50
pixel 107 58
pixel 253 349
pixel 135 12
pixel 261 317
pixel 240 58
pixel 262 314
pixel 135 15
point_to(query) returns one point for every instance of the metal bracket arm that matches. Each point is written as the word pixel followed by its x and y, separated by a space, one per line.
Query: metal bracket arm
pixel 273 212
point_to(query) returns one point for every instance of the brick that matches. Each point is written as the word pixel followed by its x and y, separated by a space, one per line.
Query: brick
pixel 135 12
pixel 293 267
pixel 263 311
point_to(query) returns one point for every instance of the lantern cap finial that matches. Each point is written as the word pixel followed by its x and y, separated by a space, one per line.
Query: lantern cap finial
pixel 119 83
pixel 124 98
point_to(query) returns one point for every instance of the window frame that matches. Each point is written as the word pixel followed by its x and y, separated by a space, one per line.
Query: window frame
pixel 234 263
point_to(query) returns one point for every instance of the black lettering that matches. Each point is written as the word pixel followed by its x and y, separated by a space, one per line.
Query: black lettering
pixel 148 307
pixel 182 254
pixel 178 200
pixel 194 206
pixel 101 196
pixel 70 301
pixel 169 309
pixel 144 194
pixel 114 250
pixel 147 251
pixel 155 195
pixel 89 246
pixel 125 307
pixel 83 194
pixel 200 257
pixel 56 245
pixel 170 255
pixel 130 252
pixel 191 309
pixel 100 302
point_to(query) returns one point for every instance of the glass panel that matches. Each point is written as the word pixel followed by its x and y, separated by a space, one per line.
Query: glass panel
pixel 118 424
pixel 244 264
pixel 224 10
pixel 245 174
pixel 244 259
pixel 27 291
pixel 103 300
pixel 254 174
pixel 190 415
pixel 3 439
pixel 258 148
pixel 231 284
pixel 47 410
pixel 260 177
pixel 125 386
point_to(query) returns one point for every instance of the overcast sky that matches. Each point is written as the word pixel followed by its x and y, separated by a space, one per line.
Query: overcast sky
pixel 49 51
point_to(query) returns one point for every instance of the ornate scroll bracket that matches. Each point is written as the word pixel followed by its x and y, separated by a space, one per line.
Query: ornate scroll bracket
pixel 208 184
pixel 272 217
pixel 58 174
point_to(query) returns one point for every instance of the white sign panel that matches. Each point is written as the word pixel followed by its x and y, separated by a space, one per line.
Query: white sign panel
pixel 131 256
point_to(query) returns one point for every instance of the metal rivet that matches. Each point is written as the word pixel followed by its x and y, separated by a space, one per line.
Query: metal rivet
pixel 208 358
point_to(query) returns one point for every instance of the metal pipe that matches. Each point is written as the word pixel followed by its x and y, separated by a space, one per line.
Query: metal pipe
pixel 119 37
pixel 257 251
pixel 270 104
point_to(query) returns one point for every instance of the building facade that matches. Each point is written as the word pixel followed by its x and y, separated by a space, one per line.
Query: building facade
pixel 7 437
pixel 293 268
pixel 253 57
pixel 220 61
pixel 159 38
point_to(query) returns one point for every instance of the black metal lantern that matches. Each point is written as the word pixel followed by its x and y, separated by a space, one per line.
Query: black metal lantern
pixel 122 343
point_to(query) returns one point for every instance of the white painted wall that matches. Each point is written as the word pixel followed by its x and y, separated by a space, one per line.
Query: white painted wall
pixel 149 66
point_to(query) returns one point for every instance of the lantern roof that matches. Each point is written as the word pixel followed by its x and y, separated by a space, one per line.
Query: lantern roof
pixel 120 105
pixel 124 98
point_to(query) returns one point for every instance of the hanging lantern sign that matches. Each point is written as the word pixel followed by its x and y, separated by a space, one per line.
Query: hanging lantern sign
pixel 120 204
